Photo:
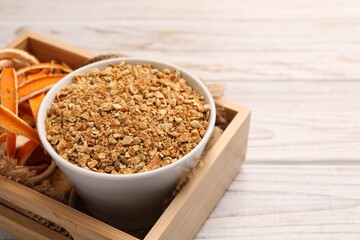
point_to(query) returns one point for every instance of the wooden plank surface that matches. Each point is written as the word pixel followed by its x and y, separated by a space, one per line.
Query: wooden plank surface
pixel 288 202
pixel 231 40
pixel 301 121
pixel 295 63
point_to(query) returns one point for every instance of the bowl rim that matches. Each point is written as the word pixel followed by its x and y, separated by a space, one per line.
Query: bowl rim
pixel 74 168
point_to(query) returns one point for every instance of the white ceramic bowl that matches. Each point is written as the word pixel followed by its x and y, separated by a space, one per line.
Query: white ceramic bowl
pixel 134 200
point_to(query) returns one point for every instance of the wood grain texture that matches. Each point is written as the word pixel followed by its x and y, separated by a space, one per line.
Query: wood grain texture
pixel 286 202
pixel 227 40
pixel 301 122
pixel 294 63
pixel 38 231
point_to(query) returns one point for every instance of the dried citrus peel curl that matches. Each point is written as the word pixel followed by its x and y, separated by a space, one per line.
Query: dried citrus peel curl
pixel 9 101
pixel 19 55
pixel 32 78
pixel 36 87
pixel 25 108
pixel 25 152
pixel 12 123
pixel 11 63
pixel 43 65
pixel 3 137
pixel 35 104
pixel 41 73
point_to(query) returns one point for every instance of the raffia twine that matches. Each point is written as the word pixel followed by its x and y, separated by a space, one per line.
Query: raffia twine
pixel 20 174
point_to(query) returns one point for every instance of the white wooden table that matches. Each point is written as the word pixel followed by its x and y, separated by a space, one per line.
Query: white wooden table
pixel 296 64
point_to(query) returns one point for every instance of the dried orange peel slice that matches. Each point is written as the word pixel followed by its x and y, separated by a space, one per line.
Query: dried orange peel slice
pixel 28 118
pixel 9 100
pixel 12 63
pixel 43 65
pixel 24 107
pixel 38 156
pixel 21 79
pixel 9 90
pixel 25 152
pixel 42 72
pixel 36 87
pixel 18 55
pixel 11 145
pixel 24 81
pixel 3 137
pixel 29 80
pixel 35 104
pixel 12 123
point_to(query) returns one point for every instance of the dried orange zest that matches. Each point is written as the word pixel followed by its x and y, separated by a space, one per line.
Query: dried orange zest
pixel 25 152
pixel 44 175
pixel 20 55
pixel 9 101
pixel 14 124
pixel 35 104
pixel 43 65
pixel 36 87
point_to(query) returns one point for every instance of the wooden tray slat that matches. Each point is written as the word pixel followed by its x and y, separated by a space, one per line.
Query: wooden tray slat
pixel 80 225
pixel 46 49
pixel 195 201
pixel 183 217
pixel 24 227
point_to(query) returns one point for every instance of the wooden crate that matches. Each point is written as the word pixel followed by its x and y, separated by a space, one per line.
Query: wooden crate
pixel 182 218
